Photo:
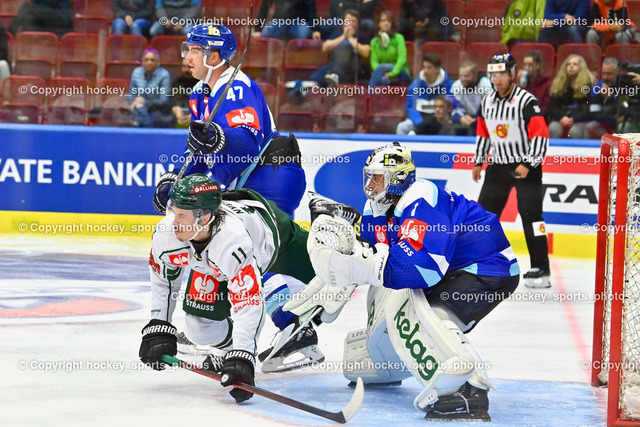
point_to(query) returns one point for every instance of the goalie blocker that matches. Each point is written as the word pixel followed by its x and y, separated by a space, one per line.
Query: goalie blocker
pixel 439 264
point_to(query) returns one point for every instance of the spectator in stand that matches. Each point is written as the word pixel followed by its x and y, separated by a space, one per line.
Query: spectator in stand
pixel 175 17
pixel 132 17
pixel 569 105
pixel 366 10
pixel 345 65
pixel 432 81
pixel 54 16
pixel 291 20
pixel 527 12
pixel 611 23
pixel 566 21
pixel 421 20
pixel 5 69
pixel 603 104
pixel 149 93
pixel 440 123
pixel 468 92
pixel 532 79
pixel 182 86
pixel 388 54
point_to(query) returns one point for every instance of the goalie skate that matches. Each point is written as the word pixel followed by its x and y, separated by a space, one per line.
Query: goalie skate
pixel 300 350
pixel 323 205
pixel 537 278
pixel 188 348
pixel 469 403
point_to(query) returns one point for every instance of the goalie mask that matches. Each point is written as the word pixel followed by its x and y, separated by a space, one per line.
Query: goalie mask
pixel 388 173
pixel 211 37
pixel 197 193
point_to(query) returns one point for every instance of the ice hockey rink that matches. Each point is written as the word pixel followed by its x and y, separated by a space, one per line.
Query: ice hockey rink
pixel 71 311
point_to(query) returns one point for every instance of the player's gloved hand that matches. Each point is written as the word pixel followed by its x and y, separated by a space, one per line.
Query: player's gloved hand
pixel 158 338
pixel 238 366
pixel 209 142
pixel 161 196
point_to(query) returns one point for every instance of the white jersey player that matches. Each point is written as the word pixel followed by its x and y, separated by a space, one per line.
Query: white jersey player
pixel 228 245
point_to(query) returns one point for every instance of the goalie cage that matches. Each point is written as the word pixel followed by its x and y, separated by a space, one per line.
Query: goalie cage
pixel 616 333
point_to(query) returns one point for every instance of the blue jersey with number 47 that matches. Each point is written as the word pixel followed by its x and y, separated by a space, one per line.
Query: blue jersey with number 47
pixel 434 232
pixel 246 121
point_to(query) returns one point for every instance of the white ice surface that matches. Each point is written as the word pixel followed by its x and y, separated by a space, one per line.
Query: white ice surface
pixel 538 353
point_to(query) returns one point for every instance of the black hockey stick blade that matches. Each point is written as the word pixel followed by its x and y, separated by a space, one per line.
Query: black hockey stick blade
pixel 340 417
pixel 223 95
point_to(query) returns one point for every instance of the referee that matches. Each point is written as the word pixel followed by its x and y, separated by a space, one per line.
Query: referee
pixel 511 127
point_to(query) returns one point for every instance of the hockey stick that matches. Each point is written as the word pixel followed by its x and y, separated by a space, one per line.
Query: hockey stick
pixel 216 107
pixel 340 417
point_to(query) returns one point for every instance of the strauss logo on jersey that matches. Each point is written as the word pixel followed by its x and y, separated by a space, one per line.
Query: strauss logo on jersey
pixel 502 130
pixel 243 116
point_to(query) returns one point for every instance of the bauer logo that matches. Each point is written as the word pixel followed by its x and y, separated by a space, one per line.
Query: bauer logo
pixel 179 259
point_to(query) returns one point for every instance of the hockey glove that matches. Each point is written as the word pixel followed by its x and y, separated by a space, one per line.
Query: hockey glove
pixel 364 266
pixel 209 142
pixel 238 366
pixel 161 196
pixel 158 338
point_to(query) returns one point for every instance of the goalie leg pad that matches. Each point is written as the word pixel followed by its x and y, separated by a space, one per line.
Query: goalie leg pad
pixel 368 353
pixel 432 348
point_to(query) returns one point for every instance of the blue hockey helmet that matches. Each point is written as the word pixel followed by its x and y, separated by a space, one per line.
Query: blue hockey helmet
pixel 211 36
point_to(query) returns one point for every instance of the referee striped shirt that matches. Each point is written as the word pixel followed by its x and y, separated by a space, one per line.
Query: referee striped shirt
pixel 511 129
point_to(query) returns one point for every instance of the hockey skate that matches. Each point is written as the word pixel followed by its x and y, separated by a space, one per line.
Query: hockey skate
pixel 188 348
pixel 301 350
pixel 213 363
pixel 469 403
pixel 537 278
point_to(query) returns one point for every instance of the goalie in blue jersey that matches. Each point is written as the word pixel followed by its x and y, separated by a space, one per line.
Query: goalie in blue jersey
pixel 241 148
pixel 437 264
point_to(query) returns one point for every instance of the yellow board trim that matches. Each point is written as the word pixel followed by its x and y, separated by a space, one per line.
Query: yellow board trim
pixel 49 224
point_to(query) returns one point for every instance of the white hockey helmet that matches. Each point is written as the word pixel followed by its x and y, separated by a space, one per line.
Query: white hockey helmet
pixel 387 174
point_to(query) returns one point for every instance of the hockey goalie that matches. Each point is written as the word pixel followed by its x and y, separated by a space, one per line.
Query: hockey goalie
pixel 438 263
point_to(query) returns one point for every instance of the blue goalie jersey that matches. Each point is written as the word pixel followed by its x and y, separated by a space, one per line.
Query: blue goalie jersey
pixel 435 232
pixel 246 121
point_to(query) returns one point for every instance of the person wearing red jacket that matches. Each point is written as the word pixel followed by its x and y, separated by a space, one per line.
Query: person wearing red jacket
pixel 532 79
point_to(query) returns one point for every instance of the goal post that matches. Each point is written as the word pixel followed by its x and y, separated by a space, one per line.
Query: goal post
pixel 616 332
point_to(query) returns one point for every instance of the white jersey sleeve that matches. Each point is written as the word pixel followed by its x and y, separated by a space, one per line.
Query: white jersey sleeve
pixel 166 260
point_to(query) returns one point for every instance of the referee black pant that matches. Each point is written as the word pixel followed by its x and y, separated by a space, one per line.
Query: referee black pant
pixel 498 182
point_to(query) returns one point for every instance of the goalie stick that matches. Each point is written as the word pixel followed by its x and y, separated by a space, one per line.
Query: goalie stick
pixel 216 107
pixel 340 417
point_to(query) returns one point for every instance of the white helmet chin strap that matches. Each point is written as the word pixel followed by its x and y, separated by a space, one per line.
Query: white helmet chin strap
pixel 200 228
pixel 210 67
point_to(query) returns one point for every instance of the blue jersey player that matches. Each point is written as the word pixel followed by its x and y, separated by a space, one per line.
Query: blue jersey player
pixel 438 264
pixel 241 148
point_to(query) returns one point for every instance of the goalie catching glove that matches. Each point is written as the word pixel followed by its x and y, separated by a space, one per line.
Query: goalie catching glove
pixel 340 259
pixel 158 338
pixel 203 142
pixel 238 365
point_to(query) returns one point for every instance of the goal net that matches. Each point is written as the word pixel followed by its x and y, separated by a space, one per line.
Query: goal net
pixel 616 338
